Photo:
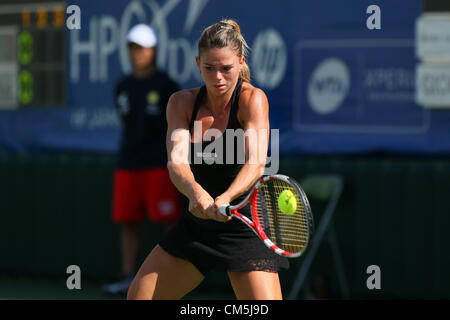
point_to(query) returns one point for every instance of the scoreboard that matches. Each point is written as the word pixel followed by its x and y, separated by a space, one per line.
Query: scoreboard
pixel 32 54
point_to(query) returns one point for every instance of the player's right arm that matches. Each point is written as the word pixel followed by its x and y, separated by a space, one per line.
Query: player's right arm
pixel 179 109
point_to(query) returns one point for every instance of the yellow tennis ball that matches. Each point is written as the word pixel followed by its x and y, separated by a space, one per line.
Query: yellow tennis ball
pixel 287 202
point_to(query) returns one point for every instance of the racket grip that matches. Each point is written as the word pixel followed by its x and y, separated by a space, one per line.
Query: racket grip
pixel 225 210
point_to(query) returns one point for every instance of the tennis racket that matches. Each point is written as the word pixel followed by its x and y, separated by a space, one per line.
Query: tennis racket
pixel 289 234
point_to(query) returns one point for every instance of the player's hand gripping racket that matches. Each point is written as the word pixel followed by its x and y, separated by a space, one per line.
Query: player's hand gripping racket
pixel 280 215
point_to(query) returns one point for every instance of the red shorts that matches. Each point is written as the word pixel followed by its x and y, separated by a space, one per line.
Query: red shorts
pixel 151 191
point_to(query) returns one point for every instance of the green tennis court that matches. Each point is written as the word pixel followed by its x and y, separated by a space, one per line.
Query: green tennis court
pixel 26 288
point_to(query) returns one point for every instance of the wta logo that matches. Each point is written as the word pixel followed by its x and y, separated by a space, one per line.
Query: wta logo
pixel 328 86
pixel 240 147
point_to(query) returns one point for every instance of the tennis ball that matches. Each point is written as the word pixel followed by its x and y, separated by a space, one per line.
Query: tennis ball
pixel 287 202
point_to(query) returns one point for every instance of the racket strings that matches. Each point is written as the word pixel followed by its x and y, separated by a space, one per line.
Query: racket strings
pixel 288 231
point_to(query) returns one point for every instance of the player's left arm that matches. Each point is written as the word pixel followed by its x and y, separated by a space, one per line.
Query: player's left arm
pixel 254 118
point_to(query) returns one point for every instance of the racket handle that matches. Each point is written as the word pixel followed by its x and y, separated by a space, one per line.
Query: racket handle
pixel 225 210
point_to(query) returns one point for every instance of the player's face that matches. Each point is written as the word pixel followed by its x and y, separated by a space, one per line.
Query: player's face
pixel 220 68
pixel 141 57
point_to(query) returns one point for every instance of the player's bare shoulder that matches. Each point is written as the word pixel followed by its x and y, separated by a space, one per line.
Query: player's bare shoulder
pixel 181 103
pixel 252 100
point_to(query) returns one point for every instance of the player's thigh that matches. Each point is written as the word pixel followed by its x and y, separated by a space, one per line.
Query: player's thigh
pixel 164 277
pixel 256 285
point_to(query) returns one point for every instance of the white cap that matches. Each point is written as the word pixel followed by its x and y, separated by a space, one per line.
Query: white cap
pixel 142 35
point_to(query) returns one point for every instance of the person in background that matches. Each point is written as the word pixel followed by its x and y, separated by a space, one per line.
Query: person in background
pixel 141 179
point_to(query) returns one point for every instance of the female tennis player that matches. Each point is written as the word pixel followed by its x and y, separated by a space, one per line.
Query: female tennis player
pixel 204 239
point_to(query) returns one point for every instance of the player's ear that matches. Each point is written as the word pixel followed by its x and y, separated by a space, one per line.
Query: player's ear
pixel 242 61
pixel 197 59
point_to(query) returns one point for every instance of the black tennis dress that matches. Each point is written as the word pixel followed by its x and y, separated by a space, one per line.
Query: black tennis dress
pixel 209 244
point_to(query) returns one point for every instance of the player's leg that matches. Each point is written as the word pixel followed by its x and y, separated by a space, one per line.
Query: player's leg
pixel 164 277
pixel 256 285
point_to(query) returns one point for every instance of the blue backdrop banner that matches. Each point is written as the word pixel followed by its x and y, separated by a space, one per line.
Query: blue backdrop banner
pixel 334 85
